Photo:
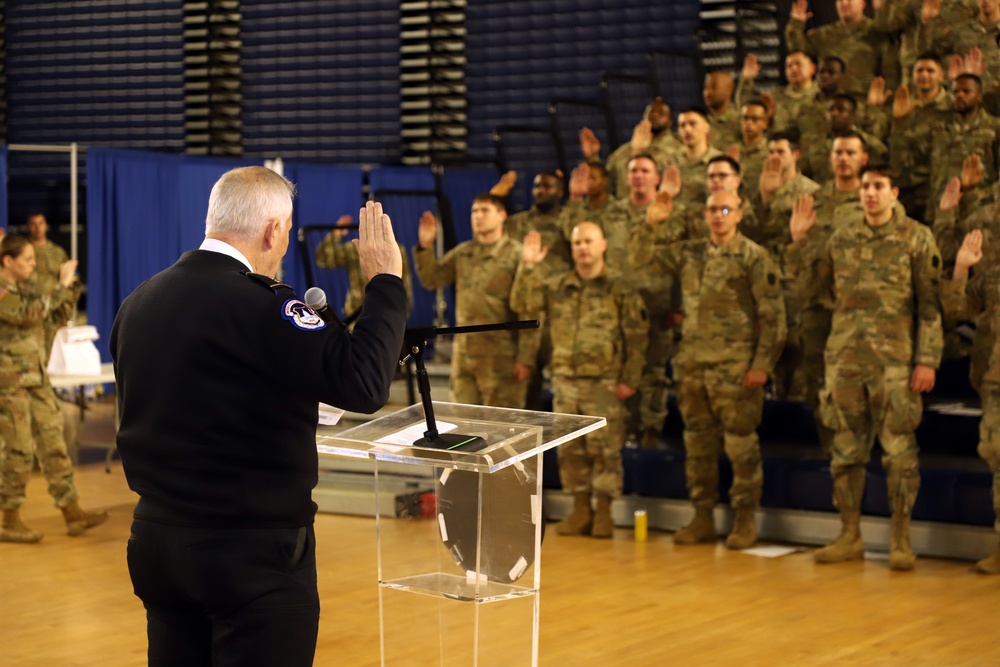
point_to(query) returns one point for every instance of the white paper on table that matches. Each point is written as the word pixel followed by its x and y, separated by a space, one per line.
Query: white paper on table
pixel 771 551
pixel 329 415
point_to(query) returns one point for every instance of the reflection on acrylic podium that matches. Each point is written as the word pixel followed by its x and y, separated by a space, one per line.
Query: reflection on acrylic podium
pixel 458 582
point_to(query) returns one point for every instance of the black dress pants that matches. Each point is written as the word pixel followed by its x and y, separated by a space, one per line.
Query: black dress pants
pixel 232 597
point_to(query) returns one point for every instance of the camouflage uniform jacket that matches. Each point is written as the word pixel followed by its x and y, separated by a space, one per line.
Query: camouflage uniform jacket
pixel 599 327
pixel 946 38
pixel 955 140
pixel 725 128
pixel 787 102
pixel 903 16
pixel 662 149
pixel 575 212
pixel 483 276
pixel 885 286
pixel 23 316
pixel 733 308
pixel 694 182
pixel 950 228
pixel 974 300
pixel 48 259
pixel 773 217
pixel 332 254
pixel 867 52
pixel 910 140
pixel 815 160
pixel 518 225
pixel 751 165
pixel 618 224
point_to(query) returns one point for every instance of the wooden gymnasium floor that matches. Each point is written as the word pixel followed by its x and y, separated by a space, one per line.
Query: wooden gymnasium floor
pixel 68 602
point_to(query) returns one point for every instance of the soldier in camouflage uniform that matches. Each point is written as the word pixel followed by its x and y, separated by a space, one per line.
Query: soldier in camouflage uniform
pixel 801 89
pixel 867 52
pixel 970 130
pixel 942 34
pixel 833 206
pixel 843 117
pixel 333 253
pixel 732 335
pixel 651 135
pixel 27 403
pixel 723 117
pixel 488 368
pixel 619 221
pixel 754 119
pixel 599 328
pixel 979 300
pixel 542 217
pixel 48 258
pixel 696 132
pixel 589 198
pixel 885 344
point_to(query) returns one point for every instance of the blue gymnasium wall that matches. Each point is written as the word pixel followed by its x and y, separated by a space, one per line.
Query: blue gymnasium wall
pixel 523 53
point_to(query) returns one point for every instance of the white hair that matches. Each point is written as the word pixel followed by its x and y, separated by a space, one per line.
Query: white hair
pixel 244 199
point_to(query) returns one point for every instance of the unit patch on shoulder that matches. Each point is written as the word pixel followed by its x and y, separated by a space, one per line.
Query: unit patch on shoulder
pixel 301 315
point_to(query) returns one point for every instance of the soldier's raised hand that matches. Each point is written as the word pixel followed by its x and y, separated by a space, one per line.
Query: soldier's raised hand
pixel 671 181
pixel 533 252
pixel 579 182
pixel 800 11
pixel 803 217
pixel 955 67
pixel 930 10
pixel 428 231
pixel 378 251
pixel 504 185
pixel 342 221
pixel 972 172
pixel 751 67
pixel 642 136
pixel 969 253
pixel 770 177
pixel 902 104
pixel 877 93
pixel 973 62
pixel 590 145
pixel 952 194
pixel 877 5
pixel 660 208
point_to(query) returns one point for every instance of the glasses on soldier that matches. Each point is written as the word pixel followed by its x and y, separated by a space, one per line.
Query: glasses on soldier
pixel 723 210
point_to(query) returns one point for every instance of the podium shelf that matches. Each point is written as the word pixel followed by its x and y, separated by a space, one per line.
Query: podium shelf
pixel 456 587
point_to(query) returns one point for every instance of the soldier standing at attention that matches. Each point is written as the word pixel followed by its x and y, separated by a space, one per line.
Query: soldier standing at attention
pixel 599 331
pixel 333 253
pixel 49 257
pixel 732 335
pixel 489 368
pixel 801 89
pixel 588 196
pixel 27 402
pixel 542 217
pixel 724 118
pixel 979 299
pixel 884 346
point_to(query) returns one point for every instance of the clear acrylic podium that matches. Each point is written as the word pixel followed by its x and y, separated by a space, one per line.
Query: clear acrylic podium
pixel 459 582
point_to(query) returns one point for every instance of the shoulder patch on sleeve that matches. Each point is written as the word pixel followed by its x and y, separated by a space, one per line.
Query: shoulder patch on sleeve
pixel 301 316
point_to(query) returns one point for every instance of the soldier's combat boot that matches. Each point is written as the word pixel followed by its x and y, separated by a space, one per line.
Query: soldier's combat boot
pixel 79 521
pixel 900 553
pixel 603 526
pixel 14 530
pixel 701 528
pixel 744 534
pixel 847 546
pixel 580 519
pixel 990 564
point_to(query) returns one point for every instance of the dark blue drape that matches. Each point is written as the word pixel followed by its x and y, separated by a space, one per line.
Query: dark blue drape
pixel 3 179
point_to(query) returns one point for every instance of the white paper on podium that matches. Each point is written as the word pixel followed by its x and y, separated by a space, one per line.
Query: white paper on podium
pixel 329 415
pixel 410 434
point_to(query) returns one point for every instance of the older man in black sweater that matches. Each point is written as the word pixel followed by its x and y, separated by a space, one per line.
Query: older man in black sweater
pixel 220 370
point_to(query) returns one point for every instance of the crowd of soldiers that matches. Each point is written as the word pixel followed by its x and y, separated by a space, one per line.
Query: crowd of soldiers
pixel 796 241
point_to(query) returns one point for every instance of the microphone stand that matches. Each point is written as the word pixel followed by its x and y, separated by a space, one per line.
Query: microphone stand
pixel 415 344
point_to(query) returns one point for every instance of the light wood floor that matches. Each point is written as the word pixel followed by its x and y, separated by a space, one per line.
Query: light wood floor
pixel 68 602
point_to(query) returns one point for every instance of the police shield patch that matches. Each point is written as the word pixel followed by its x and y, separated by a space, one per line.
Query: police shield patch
pixel 301 315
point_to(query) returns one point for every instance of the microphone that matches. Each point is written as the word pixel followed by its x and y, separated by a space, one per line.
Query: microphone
pixel 315 298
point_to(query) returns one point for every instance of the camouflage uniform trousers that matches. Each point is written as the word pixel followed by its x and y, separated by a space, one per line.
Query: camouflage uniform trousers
pixel 989 439
pixel 486 381
pixel 31 423
pixel 814 329
pixel 788 378
pixel 592 462
pixel 863 398
pixel 720 413
pixel 650 408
